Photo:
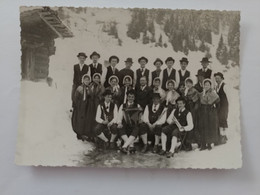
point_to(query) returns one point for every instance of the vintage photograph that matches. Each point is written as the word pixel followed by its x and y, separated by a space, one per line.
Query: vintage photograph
pixel 129 88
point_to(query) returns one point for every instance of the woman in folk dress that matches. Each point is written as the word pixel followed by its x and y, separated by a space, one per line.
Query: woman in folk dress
pixel 96 91
pixel 208 118
pixel 81 99
pixel 115 89
pixel 171 96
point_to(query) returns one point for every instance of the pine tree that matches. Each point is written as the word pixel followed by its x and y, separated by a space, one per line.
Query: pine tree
pixel 222 52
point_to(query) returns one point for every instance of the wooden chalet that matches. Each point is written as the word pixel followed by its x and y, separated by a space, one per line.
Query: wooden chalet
pixel 39 28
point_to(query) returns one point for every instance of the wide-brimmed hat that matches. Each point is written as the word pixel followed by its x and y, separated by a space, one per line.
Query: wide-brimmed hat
pixel 115 57
pixel 143 58
pixel 184 60
pixel 156 95
pixel 205 59
pixel 129 60
pixel 156 79
pixel 107 92
pixel 94 54
pixel 158 60
pixel 219 74
pixel 207 80
pixel 170 81
pixel 169 59
pixel 128 77
pixel 188 80
pixel 113 77
pixel 82 54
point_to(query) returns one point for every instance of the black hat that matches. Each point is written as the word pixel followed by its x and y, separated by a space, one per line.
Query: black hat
pixel 129 60
pixel 107 92
pixel 113 57
pixel 131 91
pixel 82 54
pixel 205 59
pixel 156 95
pixel 219 74
pixel 184 60
pixel 169 59
pixel 181 99
pixel 94 54
pixel 143 58
pixel 158 60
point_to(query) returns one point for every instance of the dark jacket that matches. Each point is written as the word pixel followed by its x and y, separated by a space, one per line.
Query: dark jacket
pixel 79 73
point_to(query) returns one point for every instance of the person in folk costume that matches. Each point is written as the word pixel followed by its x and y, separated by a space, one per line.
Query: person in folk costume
pixel 81 102
pixel 170 73
pixel 153 118
pixel 157 73
pixel 96 90
pixel 110 70
pixel 157 88
pixel 178 123
pixel 221 89
pixel 80 69
pixel 205 70
pixel 192 104
pixel 95 66
pixel 171 96
pixel 181 89
pixel 128 119
pixel 127 86
pixel 127 71
pixel 142 72
pixel 143 93
pixel 208 117
pixel 199 85
pixel 183 72
pixel 106 119
pixel 115 89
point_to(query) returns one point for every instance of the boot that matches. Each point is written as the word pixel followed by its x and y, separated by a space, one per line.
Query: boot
pixel 155 149
pixel 162 152
pixel 144 150
pixel 169 154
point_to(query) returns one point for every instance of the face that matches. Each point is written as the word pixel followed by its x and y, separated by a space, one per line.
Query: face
pixel 207 86
pixel 96 79
pixel 108 98
pixel 204 64
pixel 95 58
pixel 113 62
pixel 142 63
pixel 156 100
pixel 184 65
pixel 113 82
pixel 169 64
pixel 180 104
pixel 128 64
pixel 86 81
pixel 158 65
pixel 156 84
pixel 127 82
pixel 182 88
pixel 81 59
pixel 189 84
pixel 218 79
pixel 170 86
pixel 143 81
pixel 131 98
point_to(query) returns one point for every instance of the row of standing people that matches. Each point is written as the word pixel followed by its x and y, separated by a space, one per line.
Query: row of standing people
pixel 87 110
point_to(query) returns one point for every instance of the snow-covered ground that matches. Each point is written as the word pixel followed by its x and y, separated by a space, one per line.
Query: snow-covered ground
pixel 45 136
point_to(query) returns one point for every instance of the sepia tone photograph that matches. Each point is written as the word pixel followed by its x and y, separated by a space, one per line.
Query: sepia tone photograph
pixel 129 88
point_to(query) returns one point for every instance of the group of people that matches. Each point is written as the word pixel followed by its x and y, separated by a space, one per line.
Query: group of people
pixel 163 110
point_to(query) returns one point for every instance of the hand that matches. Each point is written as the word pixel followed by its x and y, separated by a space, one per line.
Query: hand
pixel 182 129
pixel 105 122
pixel 120 125
pixel 109 124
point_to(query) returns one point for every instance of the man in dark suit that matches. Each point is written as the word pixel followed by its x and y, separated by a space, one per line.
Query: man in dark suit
pixel 142 71
pixel 80 69
pixel 110 70
pixel 127 71
pixel 143 93
pixel 169 73
pixel 207 72
pixel 183 72
pixel 95 67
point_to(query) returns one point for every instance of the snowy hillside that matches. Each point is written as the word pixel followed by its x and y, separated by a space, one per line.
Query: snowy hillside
pixel 53 141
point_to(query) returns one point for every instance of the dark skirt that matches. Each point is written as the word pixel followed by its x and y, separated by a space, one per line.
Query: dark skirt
pixel 208 124
pixel 223 114
pixel 79 117
pixel 194 135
